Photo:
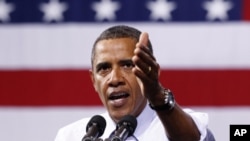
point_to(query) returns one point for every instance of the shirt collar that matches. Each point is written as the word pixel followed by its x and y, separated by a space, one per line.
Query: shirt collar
pixel 144 120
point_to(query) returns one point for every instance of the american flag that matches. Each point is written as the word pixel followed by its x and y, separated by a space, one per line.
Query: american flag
pixel 202 46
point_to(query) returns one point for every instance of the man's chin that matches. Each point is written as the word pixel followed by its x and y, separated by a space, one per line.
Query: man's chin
pixel 118 114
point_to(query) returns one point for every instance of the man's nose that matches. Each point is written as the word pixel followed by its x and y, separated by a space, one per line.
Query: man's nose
pixel 116 78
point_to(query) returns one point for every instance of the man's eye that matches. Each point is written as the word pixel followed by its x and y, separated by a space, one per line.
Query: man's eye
pixel 128 65
pixel 103 68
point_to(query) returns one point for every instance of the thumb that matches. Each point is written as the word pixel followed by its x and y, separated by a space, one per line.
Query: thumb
pixel 143 40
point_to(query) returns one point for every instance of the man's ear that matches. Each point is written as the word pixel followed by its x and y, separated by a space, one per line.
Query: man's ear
pixel 91 73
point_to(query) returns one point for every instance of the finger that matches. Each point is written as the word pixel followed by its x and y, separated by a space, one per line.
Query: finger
pixel 145 55
pixel 141 75
pixel 143 40
pixel 140 65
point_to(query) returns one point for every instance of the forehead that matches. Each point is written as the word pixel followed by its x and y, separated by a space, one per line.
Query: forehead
pixel 121 46
pixel 125 41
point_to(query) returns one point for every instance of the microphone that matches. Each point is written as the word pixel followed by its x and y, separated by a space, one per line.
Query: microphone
pixel 95 128
pixel 125 128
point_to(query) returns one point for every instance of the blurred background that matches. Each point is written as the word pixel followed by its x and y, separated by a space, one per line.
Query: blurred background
pixel 202 46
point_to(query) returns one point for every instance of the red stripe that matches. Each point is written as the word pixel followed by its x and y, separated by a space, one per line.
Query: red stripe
pixel 246 10
pixel 74 88
pixel 209 87
pixel 47 88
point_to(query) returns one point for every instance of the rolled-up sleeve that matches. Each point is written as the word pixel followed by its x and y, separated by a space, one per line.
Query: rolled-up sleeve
pixel 201 121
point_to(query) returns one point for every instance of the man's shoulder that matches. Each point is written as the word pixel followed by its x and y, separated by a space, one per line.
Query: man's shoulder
pixel 80 124
pixel 74 130
pixel 76 127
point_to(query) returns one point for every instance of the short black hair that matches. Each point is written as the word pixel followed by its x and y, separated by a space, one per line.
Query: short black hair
pixel 119 31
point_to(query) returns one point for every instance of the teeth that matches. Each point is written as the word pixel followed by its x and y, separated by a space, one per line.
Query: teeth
pixel 118 96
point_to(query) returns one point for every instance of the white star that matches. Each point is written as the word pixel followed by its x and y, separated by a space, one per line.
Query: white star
pixel 217 9
pixel 161 9
pixel 5 10
pixel 105 10
pixel 53 11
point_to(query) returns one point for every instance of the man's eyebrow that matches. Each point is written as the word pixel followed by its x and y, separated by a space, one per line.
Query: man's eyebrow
pixel 101 64
pixel 125 61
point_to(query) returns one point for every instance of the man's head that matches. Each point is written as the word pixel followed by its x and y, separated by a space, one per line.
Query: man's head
pixel 112 74
pixel 119 31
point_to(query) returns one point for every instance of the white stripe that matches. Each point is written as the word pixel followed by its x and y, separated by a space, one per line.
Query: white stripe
pixel 42 124
pixel 197 45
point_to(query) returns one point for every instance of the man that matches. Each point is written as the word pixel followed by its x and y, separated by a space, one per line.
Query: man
pixel 125 74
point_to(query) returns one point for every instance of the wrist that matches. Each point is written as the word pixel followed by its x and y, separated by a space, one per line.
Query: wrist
pixel 164 101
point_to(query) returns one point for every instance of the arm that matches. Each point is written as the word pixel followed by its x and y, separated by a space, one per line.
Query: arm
pixel 178 125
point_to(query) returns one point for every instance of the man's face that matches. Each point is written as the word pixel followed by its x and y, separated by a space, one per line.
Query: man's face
pixel 114 80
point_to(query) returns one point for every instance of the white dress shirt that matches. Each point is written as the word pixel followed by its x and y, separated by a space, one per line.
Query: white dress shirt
pixel 149 127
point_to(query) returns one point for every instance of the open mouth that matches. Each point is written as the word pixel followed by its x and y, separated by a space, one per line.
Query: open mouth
pixel 116 96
